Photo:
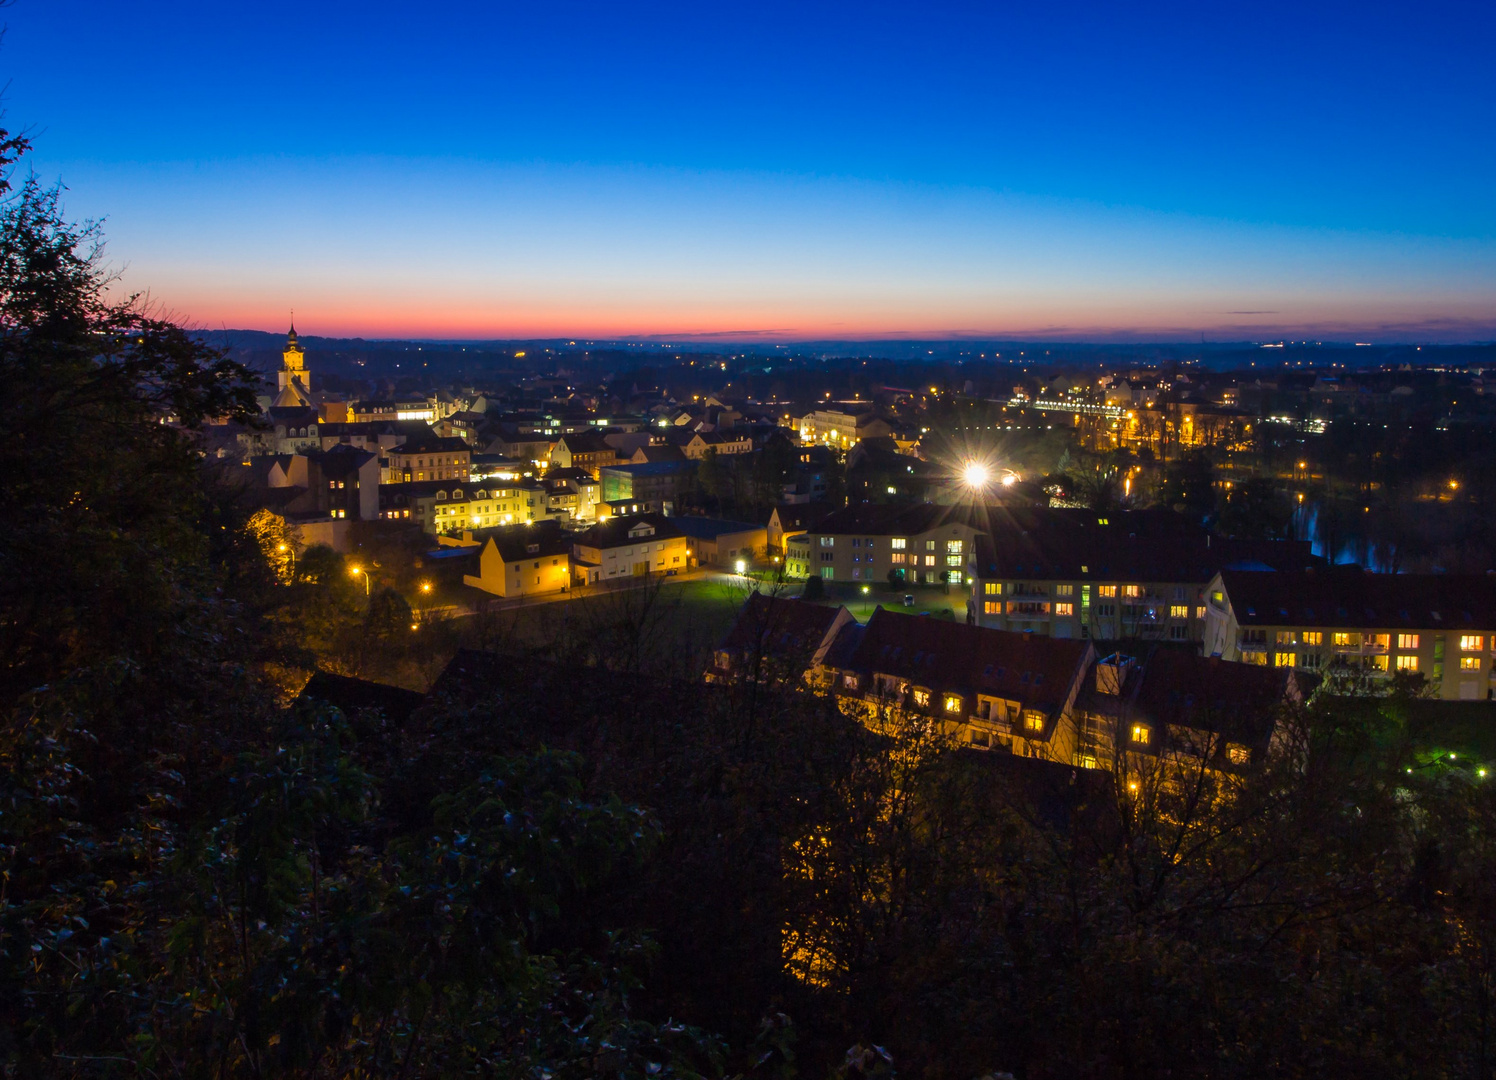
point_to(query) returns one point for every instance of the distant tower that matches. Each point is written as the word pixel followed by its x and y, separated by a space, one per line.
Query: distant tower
pixel 295 380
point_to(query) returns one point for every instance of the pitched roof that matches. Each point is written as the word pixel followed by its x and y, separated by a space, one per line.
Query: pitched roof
pixel 615 531
pixel 797 516
pixel 1036 670
pixel 431 443
pixel 703 528
pixel 537 540
pixel 1177 686
pixel 1035 544
pixel 586 442
pixel 779 626
pixel 892 520
pixel 1347 598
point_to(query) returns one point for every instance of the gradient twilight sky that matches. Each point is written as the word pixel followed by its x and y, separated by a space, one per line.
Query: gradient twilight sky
pixel 792 170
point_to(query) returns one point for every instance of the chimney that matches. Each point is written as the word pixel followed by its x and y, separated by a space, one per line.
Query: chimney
pixel 1111 673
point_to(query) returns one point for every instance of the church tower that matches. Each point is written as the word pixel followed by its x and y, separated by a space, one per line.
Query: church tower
pixel 295 380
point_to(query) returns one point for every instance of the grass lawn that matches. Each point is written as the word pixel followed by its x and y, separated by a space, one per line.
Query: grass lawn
pixel 927 598
pixel 673 624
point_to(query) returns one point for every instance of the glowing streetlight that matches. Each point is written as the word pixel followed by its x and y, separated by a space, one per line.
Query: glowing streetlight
pixel 358 571
pixel 425 586
pixel 976 475
pixel 740 566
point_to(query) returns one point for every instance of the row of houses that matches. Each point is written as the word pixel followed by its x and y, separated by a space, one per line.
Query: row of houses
pixel 1150 576
pixel 997 690
pixel 542 557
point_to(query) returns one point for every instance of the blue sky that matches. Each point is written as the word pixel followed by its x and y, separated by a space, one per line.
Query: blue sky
pixel 793 170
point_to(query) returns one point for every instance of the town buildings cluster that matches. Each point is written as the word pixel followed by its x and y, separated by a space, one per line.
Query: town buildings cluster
pixel 562 489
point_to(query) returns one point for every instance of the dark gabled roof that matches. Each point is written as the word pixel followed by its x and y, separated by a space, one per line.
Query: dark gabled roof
pixel 892 520
pixel 1352 598
pixel 538 540
pixel 341 460
pixel 795 517
pixel 656 453
pixel 1177 686
pixel 615 531
pixel 293 414
pixel 432 444
pixel 780 627
pixel 1047 548
pixel 581 476
pixel 702 528
pixel 586 442
pixel 354 696
pixel 957 658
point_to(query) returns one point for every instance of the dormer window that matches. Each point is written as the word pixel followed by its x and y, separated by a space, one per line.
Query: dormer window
pixel 1142 734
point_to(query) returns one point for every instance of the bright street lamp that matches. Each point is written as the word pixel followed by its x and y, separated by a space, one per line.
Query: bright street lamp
pixel 976 475
pixel 356 571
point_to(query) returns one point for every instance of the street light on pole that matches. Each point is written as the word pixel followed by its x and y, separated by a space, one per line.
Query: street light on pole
pixel 357 571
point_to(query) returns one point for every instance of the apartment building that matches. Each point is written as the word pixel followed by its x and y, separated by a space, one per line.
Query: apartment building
pixel 919 543
pixel 633 546
pixel 833 427
pixel 1439 626
pixel 989 688
pixel 1125 574
pixel 429 457
pixel 1174 703
pixel 523 560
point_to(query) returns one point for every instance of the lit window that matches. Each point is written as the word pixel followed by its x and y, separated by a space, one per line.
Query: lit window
pixel 929 545
pixel 1407 641
pixel 1141 733
pixel 953 560
pixel 1179 611
pixel 1285 637
pixel 1033 720
pixel 828 541
pixel 1064 590
pixel 922 697
pixel 1407 663
pixel 1132 590
pixel 1469 663
pixel 993 588
pixel 1284 659
pixel 850 681
pixel 1471 642
pixel 1106 590
pixel 897 558
pixel 993 607
pixel 1344 640
pixel 955 547
pixel 929 560
pixel 1199 613
pixel 1377 641
pixel 952 703
pixel 898 543
pixel 1377 663
pixel 1313 637
pixel 1064 609
pixel 1239 755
